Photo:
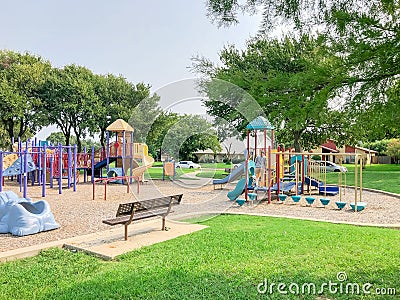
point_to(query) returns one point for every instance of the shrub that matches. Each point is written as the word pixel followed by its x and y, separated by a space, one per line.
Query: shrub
pixel 393 149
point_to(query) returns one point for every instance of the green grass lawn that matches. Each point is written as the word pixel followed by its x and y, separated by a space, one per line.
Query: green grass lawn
pixel 380 177
pixel 156 172
pixel 210 173
pixel 226 261
pixel 216 165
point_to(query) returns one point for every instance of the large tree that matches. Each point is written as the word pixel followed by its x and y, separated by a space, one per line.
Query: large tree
pixel 143 120
pixel 292 80
pixel 365 33
pixel 21 78
pixel 117 99
pixel 189 134
pixel 71 101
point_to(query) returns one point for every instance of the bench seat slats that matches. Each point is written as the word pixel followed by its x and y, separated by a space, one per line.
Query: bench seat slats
pixel 136 216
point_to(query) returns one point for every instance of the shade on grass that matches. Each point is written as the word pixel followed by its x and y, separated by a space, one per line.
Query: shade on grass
pixel 226 261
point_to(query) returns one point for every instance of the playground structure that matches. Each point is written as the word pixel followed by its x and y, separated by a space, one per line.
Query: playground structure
pixel 43 164
pixel 286 172
pixel 131 159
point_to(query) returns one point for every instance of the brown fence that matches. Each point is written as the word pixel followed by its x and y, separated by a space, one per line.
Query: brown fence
pixel 381 160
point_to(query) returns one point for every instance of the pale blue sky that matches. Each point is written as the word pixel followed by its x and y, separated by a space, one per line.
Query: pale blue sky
pixel 145 41
pixel 150 41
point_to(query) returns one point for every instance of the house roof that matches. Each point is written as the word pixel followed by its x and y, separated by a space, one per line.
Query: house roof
pixel 330 149
pixel 260 123
pixel 366 149
pixel 119 125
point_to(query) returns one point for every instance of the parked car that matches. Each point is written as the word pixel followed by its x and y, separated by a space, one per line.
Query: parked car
pixel 187 164
pixel 331 166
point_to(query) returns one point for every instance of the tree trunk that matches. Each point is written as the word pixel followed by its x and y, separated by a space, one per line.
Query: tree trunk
pixel 67 138
pixel 296 142
pixel 9 125
pixel 22 127
pixel 102 137
pixel 79 144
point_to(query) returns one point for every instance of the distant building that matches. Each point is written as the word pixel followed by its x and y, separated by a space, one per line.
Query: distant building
pixel 367 154
pixel 232 149
pixel 330 147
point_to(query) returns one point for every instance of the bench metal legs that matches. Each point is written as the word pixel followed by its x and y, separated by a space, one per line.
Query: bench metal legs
pixel 163 223
pixel 126 232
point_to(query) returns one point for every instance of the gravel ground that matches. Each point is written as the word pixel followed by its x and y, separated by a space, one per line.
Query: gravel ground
pixel 78 214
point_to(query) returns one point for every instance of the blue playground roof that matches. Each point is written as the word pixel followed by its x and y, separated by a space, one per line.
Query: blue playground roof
pixel 260 123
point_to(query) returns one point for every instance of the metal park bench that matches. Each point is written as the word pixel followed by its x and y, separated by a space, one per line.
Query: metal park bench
pixel 129 212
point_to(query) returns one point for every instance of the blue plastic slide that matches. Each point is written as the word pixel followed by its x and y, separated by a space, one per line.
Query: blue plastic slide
pixel 238 190
pixel 240 186
pixel 313 182
pixel 236 173
pixel 284 187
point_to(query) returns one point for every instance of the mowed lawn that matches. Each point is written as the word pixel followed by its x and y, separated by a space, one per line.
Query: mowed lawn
pixel 229 260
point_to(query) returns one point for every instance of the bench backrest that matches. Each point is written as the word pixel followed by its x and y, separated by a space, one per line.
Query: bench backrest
pixel 125 209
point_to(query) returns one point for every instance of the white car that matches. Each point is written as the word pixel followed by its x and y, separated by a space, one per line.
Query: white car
pixel 187 164
pixel 331 166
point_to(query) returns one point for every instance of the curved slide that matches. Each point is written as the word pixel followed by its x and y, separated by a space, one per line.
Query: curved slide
pixel 238 190
pixel 240 186
pixel 148 161
pixel 236 173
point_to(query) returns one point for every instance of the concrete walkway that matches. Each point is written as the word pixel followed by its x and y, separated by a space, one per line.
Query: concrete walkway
pixel 110 243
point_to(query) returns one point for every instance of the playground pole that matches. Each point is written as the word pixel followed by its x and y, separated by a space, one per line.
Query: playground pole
pixel 255 144
pixel 265 155
pixel 85 164
pixel 107 153
pixel 51 162
pixel 1 171
pixel 278 170
pixel 25 170
pixel 302 173
pixel 33 173
pixel 19 177
pixel 355 182
pixel 44 171
pixel 269 175
pixel 361 178
pixel 123 155
pixel 60 161
pixel 131 159
pixel 296 174
pixel 39 163
pixel 75 162
pixel 69 167
pixel 92 165
pixel 247 166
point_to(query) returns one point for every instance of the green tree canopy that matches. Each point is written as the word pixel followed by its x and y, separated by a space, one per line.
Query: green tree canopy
pixel 292 80
pixel 365 33
pixel 189 134
pixel 117 99
pixel 21 78
pixel 58 138
pixel 70 101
